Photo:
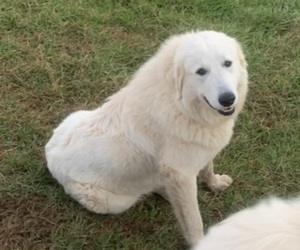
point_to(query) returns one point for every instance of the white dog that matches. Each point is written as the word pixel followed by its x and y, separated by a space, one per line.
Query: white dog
pixel 271 225
pixel 157 133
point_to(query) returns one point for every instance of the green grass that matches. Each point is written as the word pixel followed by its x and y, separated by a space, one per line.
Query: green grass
pixel 58 56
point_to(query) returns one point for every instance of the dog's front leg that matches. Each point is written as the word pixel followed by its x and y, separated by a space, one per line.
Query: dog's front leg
pixel 215 182
pixel 182 194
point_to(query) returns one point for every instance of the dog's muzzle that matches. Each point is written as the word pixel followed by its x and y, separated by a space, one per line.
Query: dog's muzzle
pixel 226 111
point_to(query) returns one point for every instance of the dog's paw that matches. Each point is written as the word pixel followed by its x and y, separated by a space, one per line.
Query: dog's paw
pixel 220 182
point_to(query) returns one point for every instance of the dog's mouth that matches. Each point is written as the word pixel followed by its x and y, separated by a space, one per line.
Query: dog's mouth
pixel 226 111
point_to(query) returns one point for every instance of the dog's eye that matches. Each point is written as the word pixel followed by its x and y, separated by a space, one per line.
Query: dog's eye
pixel 227 63
pixel 201 71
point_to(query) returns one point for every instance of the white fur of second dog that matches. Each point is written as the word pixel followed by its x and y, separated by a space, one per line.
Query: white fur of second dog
pixel 157 133
pixel 272 224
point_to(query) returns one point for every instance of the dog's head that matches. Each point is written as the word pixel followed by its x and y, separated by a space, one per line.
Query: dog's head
pixel 210 70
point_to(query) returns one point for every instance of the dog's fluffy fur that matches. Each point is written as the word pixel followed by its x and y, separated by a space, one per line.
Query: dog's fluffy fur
pixel 273 224
pixel 157 133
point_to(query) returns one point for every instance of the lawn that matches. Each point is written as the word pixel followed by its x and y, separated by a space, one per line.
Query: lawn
pixel 58 56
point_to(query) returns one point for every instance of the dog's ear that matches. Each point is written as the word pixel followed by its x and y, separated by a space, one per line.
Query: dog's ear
pixel 178 76
pixel 241 56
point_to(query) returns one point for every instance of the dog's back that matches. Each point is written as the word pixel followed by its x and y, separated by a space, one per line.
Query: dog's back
pixel 271 225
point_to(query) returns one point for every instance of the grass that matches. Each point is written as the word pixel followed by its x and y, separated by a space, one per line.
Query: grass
pixel 58 56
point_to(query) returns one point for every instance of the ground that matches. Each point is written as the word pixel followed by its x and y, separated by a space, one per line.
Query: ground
pixel 58 56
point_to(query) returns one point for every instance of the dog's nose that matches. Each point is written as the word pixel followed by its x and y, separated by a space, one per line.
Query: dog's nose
pixel 226 99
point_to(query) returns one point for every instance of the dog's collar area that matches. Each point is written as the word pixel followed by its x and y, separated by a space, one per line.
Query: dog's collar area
pixel 225 112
